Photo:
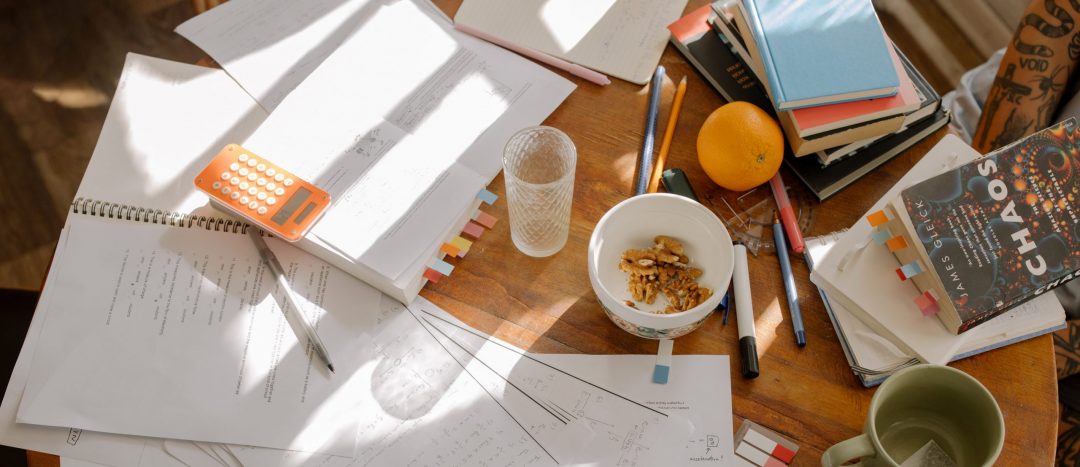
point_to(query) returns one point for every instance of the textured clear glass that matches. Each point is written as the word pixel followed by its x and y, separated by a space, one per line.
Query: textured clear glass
pixel 538 167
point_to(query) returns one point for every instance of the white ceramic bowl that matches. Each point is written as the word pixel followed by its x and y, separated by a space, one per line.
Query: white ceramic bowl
pixel 634 223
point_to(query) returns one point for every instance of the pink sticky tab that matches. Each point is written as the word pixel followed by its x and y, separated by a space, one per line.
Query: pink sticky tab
pixel 432 275
pixel 485 219
pixel 473 229
pixel 927 304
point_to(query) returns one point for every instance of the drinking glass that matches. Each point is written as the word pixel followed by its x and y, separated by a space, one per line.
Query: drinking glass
pixel 538 166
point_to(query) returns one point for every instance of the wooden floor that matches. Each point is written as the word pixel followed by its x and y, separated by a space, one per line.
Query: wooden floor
pixel 59 64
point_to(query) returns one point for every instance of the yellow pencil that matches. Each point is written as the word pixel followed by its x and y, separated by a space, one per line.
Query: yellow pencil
pixel 665 145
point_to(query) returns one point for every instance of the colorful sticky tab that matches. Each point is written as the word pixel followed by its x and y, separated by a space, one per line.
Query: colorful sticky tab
pixel 770 447
pixel 462 244
pixel 449 249
pixel 443 267
pixel 896 243
pixel 663 361
pixel 880 236
pixel 877 218
pixel 487 197
pixel 485 219
pixel 927 304
pixel 473 229
pixel 432 275
pixel 909 270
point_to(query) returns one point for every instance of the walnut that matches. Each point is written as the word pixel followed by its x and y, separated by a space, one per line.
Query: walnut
pixel 663 269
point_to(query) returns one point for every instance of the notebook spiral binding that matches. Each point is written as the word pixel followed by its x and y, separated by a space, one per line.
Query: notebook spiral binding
pixel 111 210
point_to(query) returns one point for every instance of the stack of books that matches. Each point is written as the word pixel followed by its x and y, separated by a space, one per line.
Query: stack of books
pixel 880 313
pixel 847 98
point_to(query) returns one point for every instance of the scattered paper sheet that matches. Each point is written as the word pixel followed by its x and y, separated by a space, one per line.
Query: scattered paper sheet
pixel 177 334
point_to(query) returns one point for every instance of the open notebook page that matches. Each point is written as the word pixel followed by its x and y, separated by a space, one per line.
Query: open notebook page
pixel 403 148
pixel 176 333
pixel 166 121
pixel 623 38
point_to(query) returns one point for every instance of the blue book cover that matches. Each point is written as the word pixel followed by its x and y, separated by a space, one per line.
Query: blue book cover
pixel 818 53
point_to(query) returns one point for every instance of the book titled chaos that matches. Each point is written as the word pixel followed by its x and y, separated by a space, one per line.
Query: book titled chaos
pixel 1003 228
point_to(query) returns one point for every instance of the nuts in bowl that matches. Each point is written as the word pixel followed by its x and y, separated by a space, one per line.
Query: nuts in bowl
pixel 663 270
pixel 633 225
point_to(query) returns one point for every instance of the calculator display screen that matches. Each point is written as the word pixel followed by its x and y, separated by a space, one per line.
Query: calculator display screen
pixel 290 206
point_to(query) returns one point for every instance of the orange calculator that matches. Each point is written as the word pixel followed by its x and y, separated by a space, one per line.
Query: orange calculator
pixel 262 193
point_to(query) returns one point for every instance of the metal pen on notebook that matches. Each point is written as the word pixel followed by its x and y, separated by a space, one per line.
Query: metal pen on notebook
pixel 789 282
pixel 744 314
pixel 291 309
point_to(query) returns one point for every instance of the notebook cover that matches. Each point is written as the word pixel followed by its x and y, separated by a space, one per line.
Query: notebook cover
pixel 820 49
pixel 827 181
pixel 1003 229
pixel 814 120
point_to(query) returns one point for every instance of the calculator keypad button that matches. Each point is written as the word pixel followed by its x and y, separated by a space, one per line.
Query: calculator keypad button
pixel 287 182
pixel 279 177
pixel 244 200
pixel 253 205
pixel 243 157
pixel 226 175
pixel 270 186
pixel 216 185
pixel 271 200
pixel 252 191
pixel 252 176
pixel 261 195
pixel 243 171
pixel 261 210
pixel 234 167
pixel 279 192
pixel 252 162
pixel 270 172
pixel 234 181
pixel 226 190
pixel 244 185
pixel 261 181
pixel 235 195
pixel 261 167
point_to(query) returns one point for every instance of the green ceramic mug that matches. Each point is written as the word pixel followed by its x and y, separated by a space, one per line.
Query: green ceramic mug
pixel 923 403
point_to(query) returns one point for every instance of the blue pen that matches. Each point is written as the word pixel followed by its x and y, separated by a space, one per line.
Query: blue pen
pixel 645 164
pixel 789 282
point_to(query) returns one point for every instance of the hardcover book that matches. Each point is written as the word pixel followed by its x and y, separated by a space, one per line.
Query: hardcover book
pixel 995 232
pixel 816 53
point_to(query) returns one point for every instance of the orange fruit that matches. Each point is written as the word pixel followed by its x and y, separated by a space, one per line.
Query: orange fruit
pixel 740 146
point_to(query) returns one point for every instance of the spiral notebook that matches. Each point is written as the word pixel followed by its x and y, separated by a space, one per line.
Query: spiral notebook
pixel 873 357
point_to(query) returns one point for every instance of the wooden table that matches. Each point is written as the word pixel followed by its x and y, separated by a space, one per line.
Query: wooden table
pixel 808 394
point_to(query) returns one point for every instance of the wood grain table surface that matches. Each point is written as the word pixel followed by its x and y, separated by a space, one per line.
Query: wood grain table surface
pixel 808 394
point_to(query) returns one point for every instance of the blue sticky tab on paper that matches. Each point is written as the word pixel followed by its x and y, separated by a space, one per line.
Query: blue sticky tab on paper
pixel 660 374
pixel 487 196
pixel 880 236
pixel 911 269
pixel 443 267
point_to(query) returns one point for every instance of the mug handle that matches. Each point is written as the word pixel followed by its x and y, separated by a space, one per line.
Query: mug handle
pixel 844 451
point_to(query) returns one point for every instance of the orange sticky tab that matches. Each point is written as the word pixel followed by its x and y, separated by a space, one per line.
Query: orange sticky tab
pixel 896 243
pixel 450 249
pixel 485 219
pixel 877 218
pixel 432 275
pixel 473 229
pixel 927 304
